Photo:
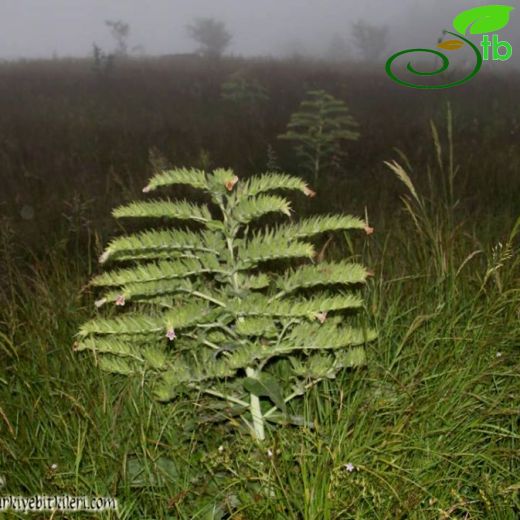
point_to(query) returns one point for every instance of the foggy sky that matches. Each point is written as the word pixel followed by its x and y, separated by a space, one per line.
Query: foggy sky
pixel 43 28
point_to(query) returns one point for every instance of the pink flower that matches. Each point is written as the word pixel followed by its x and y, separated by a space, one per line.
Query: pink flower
pixel 321 316
pixel 308 192
pixel 231 184
pixel 349 467
pixel 369 230
pixel 170 334
pixel 120 300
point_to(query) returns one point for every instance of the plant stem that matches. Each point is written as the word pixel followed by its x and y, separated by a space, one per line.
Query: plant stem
pixel 256 411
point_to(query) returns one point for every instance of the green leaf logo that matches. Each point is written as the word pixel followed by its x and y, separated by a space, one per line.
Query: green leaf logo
pixel 482 20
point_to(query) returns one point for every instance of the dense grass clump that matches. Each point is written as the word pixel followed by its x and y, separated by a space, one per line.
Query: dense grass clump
pixel 429 429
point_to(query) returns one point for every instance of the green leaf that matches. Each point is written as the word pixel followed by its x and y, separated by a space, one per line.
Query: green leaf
pixel 482 20
pixel 274 181
pixel 117 347
pixel 153 292
pixel 268 246
pixel 158 244
pixel 250 209
pixel 189 177
pixel 262 326
pixel 116 365
pixel 321 224
pixel 181 210
pixel 260 305
pixel 156 271
pixel 325 273
pixel 259 281
pixel 266 386
pixel 186 316
pixel 354 357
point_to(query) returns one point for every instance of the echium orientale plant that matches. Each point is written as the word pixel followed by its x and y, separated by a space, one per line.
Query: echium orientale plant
pixel 216 307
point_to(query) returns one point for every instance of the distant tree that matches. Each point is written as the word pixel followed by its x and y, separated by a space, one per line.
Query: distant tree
pixel 211 34
pixel 370 40
pixel 119 31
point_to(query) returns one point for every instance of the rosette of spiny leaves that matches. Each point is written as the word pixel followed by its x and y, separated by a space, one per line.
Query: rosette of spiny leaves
pixel 319 129
pixel 215 305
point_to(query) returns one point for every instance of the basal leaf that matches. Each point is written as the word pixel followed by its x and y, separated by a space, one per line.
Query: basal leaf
pixel 266 386
pixel 483 19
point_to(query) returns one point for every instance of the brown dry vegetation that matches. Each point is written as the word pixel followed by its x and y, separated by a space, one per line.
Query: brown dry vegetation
pixel 69 133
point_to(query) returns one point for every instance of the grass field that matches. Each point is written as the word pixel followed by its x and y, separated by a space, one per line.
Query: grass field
pixel 428 430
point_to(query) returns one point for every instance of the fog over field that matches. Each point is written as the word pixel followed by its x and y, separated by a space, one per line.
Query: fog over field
pixel 59 28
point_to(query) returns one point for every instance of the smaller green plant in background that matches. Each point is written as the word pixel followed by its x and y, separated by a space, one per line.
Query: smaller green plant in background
pixel 272 164
pixel 243 91
pixel 319 129
pixel 217 311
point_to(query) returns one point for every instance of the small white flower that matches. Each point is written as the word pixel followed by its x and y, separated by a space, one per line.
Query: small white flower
pixel 54 467
pixel 100 303
pixel 499 354
pixel 349 467
pixel 269 453
pixel 220 449
pixel 120 300
pixel 170 334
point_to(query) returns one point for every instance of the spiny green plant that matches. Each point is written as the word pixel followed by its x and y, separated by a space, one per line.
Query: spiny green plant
pixel 319 129
pixel 217 310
